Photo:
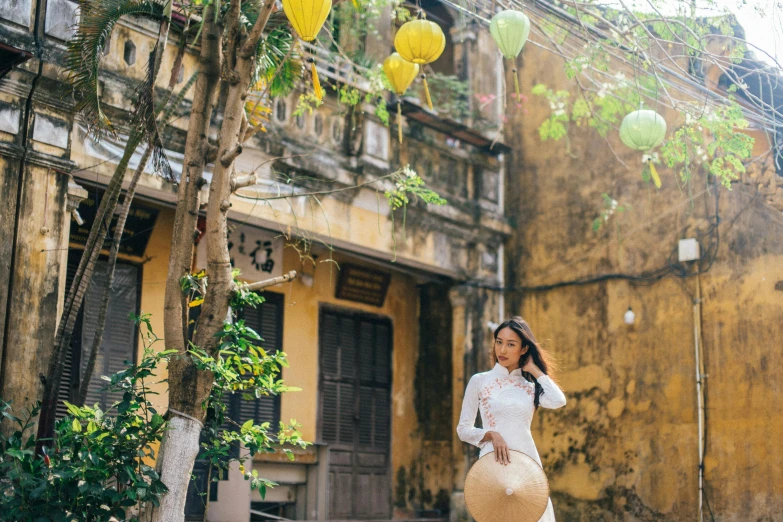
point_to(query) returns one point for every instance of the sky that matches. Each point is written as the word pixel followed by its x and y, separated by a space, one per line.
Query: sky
pixel 762 20
pixel 763 23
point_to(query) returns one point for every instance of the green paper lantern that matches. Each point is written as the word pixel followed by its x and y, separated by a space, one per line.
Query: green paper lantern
pixel 510 30
pixel 643 129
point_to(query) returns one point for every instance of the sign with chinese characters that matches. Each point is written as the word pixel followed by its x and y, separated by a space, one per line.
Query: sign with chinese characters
pixel 257 253
pixel 363 285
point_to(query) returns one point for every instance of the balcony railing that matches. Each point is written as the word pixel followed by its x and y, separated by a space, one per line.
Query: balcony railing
pixel 336 68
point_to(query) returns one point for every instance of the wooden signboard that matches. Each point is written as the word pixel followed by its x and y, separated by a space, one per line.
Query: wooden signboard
pixel 363 285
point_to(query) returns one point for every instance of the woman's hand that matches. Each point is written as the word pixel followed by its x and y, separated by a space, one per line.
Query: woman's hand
pixel 502 454
pixel 531 368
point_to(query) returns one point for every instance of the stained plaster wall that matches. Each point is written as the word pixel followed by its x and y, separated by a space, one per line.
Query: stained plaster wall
pixel 33 230
pixel 625 446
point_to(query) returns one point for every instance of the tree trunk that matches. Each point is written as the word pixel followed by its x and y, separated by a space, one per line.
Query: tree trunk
pixel 175 461
pixel 180 444
pixel 115 248
pixel 120 230
pixel 189 388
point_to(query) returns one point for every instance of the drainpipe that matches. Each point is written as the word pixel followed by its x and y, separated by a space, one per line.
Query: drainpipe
pixel 501 283
pixel 697 345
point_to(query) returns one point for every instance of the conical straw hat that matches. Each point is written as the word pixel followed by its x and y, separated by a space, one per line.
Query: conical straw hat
pixel 517 492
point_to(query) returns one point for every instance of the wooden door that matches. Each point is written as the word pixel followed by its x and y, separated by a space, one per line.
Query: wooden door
pixel 355 413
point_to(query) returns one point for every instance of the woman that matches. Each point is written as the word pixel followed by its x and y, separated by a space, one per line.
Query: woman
pixel 508 395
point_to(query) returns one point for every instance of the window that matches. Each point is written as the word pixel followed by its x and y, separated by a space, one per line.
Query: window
pixel 280 110
pixel 318 125
pixel 129 54
pixel 119 337
pixel 301 121
pixel 267 321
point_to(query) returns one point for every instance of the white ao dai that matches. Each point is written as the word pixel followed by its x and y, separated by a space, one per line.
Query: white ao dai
pixel 505 401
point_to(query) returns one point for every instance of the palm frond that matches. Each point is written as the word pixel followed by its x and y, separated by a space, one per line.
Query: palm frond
pixel 278 62
pixel 278 45
pixel 85 49
pixel 146 118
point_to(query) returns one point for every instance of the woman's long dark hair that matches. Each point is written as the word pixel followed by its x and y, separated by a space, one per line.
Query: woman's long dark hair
pixel 541 357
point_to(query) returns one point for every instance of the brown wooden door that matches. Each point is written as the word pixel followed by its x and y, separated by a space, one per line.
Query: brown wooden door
pixel 355 413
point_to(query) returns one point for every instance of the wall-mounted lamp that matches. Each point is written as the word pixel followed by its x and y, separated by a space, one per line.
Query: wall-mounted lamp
pixel 629 317
pixel 307 277
pixel 77 217
pixel 306 280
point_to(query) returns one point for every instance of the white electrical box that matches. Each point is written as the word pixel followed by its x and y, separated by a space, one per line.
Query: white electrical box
pixel 689 250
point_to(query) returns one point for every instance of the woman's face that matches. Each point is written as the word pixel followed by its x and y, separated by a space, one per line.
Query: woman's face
pixel 509 349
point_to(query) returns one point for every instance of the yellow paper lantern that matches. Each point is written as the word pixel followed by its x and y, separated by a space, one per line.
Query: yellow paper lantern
pixel 400 74
pixel 420 42
pixel 307 17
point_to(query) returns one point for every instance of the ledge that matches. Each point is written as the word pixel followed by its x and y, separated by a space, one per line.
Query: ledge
pixel 451 128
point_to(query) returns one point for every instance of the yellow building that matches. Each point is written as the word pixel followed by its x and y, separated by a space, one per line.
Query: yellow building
pixel 369 326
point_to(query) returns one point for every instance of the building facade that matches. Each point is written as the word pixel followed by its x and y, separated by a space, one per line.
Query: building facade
pixel 374 327
pixel 383 328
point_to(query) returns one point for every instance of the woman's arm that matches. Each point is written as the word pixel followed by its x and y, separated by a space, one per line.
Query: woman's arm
pixel 552 396
pixel 466 429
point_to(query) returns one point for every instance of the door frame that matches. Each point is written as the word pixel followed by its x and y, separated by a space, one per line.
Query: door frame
pixel 356 314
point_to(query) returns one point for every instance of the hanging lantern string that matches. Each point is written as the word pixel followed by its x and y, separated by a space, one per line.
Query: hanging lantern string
pixel 516 84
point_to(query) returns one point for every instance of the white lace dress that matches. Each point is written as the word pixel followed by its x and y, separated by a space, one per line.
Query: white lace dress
pixel 505 401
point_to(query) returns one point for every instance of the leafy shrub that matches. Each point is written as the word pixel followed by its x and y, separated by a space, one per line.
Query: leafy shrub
pixel 98 465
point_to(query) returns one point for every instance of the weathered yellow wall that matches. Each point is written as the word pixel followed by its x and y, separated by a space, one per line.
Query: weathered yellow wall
pixel 153 289
pixel 625 446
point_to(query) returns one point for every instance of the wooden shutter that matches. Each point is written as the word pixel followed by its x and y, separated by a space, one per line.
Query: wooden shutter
pixel 267 321
pixel 355 412
pixel 119 338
